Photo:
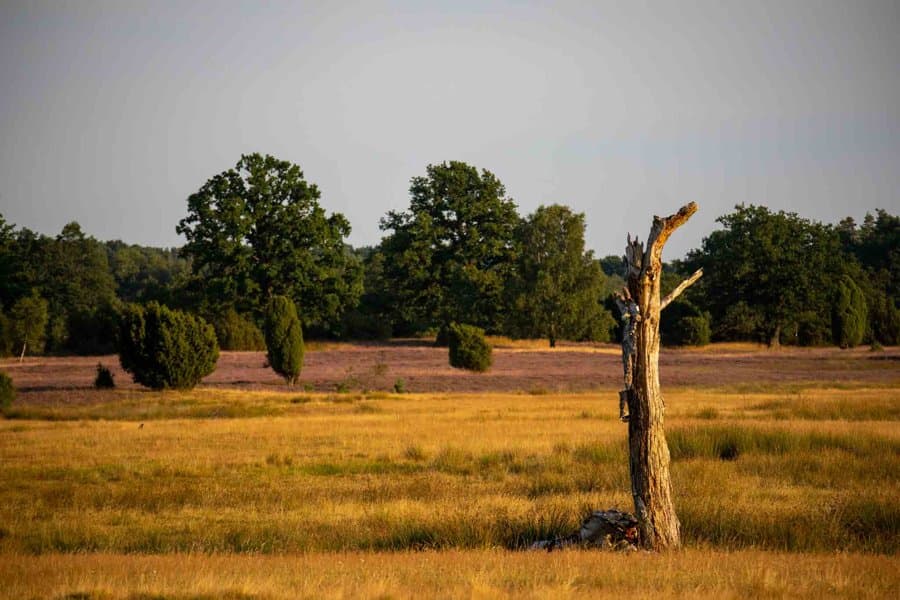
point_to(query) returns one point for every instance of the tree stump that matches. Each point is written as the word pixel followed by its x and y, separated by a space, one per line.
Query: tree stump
pixel 640 306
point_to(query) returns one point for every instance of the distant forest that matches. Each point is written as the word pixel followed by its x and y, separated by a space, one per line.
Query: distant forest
pixel 461 252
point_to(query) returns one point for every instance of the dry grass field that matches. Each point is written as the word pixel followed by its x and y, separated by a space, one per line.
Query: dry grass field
pixel 786 469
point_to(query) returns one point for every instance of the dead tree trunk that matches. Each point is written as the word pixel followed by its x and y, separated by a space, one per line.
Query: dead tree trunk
pixel 640 305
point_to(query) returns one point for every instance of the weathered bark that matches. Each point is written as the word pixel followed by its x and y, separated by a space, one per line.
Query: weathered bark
pixel 640 306
pixel 611 529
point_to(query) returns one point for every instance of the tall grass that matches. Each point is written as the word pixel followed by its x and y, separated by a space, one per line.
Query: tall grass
pixel 415 471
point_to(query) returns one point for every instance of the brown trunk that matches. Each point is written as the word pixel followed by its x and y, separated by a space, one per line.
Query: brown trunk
pixel 640 304
pixel 775 340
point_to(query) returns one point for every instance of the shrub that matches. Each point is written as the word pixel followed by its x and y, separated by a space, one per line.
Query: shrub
pixel 104 379
pixel 400 386
pixel 694 331
pixel 237 332
pixel 164 348
pixel 7 391
pixel 683 324
pixel 849 315
pixel 468 348
pixel 284 338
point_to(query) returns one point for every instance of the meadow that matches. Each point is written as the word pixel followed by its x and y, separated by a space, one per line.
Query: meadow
pixel 785 486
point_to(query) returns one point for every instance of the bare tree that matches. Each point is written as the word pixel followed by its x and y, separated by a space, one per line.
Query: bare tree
pixel 640 306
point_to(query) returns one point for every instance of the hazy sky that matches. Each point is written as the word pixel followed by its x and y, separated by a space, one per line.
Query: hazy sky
pixel 112 113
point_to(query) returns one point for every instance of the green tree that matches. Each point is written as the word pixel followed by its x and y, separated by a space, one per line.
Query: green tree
pixel 371 320
pixel 558 286
pixel 143 274
pixel 6 338
pixel 284 338
pixel 257 230
pixel 8 263
pixel 164 348
pixel 876 245
pixel 849 314
pixel 449 256
pixel 776 267
pixel 28 324
pixel 71 272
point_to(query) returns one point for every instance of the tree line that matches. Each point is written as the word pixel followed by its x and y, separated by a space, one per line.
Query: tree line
pixel 460 253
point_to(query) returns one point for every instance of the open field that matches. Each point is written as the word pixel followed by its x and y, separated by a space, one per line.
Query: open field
pixel 785 485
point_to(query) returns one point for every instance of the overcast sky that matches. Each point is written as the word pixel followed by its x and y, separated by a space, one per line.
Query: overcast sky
pixel 112 113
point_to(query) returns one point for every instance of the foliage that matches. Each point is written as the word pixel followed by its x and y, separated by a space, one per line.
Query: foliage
pixel 257 230
pixel 849 314
pixel 683 324
pixel 468 348
pixel 143 274
pixel 71 272
pixel 237 332
pixel 104 379
pixel 6 340
pixel 284 338
pixel 7 391
pixel 164 348
pixel 371 319
pixel 884 319
pixel 449 256
pixel 28 324
pixel 557 285
pixel 773 266
pixel 876 245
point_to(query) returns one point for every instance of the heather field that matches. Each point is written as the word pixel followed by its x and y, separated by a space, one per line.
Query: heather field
pixel 786 467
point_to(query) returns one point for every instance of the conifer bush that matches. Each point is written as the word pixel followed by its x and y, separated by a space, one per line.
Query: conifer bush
pixel 284 338
pixel 164 348
pixel 850 314
pixel 235 331
pixel 7 391
pixel 468 348
pixel 104 379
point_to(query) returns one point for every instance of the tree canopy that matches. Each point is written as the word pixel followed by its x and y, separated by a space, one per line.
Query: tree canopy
pixel 257 230
pixel 448 257
pixel 557 287
pixel 777 269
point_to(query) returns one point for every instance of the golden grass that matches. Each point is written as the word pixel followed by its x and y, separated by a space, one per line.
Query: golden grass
pixel 452 574
pixel 341 478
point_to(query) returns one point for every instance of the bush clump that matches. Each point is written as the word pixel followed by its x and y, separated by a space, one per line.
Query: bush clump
pixel 468 348
pixel 7 391
pixel 284 338
pixel 683 324
pixel 237 332
pixel 849 314
pixel 104 379
pixel 164 348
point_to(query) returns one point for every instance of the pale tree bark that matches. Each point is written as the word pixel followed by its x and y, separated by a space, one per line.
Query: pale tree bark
pixel 640 305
